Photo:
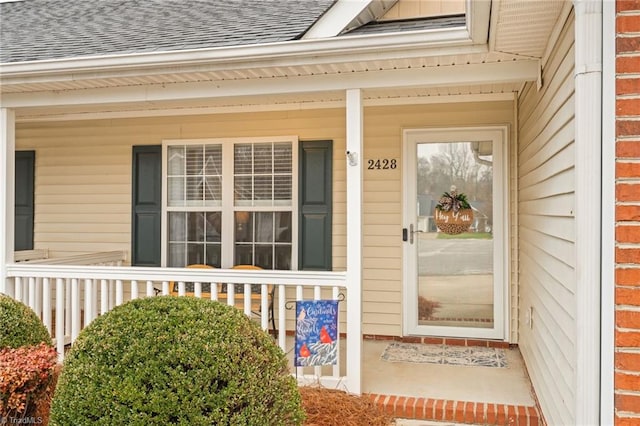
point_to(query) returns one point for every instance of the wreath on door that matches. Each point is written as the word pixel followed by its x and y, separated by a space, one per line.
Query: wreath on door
pixel 453 214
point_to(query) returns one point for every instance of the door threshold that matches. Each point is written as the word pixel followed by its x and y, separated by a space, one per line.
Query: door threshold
pixel 457 341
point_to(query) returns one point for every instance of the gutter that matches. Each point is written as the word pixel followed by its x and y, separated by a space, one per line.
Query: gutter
pixel 289 53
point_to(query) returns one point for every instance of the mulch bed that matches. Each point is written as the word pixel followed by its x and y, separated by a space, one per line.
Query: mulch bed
pixel 326 407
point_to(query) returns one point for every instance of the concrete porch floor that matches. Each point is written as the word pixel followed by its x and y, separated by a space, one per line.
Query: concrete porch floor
pixel 448 393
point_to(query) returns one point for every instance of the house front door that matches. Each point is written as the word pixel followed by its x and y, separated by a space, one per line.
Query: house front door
pixel 455 232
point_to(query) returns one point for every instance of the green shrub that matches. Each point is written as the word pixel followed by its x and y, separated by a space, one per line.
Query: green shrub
pixel 25 376
pixel 175 360
pixel 19 325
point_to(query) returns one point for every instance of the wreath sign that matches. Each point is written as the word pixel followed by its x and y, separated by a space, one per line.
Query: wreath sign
pixel 453 214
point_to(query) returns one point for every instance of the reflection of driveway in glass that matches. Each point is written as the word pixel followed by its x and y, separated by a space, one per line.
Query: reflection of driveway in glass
pixel 454 256
pixel 465 301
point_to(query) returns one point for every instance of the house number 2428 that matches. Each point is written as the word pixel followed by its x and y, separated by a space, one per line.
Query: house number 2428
pixel 382 164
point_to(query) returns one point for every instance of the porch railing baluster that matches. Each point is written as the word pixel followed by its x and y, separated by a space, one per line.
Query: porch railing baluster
pixel 38 297
pixel 119 293
pixel 247 299
pixel 60 313
pixel 134 289
pixel 335 295
pixel 89 296
pixel 282 318
pixel 31 289
pixel 67 307
pixel 104 297
pixel 197 290
pixel 264 306
pixel 46 303
pixel 165 288
pixel 18 289
pixel 75 309
pixel 150 289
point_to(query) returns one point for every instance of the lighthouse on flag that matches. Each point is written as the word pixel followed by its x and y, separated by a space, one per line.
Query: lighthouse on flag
pixel 316 333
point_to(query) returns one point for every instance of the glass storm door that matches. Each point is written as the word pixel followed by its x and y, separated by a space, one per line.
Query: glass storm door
pixel 455 261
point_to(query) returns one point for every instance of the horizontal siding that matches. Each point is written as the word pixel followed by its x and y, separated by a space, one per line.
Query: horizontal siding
pixel 383 195
pixel 83 180
pixel 546 232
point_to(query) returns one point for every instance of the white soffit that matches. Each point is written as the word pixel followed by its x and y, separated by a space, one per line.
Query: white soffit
pixel 523 27
pixel 263 73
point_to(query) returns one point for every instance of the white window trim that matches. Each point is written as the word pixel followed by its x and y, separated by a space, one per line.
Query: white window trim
pixel 228 207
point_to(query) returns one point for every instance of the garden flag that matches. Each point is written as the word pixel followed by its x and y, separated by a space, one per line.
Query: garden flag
pixel 316 333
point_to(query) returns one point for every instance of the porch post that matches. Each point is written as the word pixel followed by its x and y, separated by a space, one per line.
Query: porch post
pixel 588 199
pixel 7 185
pixel 354 239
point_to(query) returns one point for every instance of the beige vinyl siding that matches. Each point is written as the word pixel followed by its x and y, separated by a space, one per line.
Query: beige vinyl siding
pixel 407 9
pixel 547 232
pixel 83 180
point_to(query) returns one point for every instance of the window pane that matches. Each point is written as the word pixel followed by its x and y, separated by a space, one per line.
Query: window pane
pixel 283 257
pixel 177 226
pixel 243 226
pixel 243 254
pixel 213 189
pixel 243 188
pixel 176 160
pixel 195 226
pixel 213 162
pixel 213 226
pixel 195 253
pixel 282 158
pixel 194 157
pixel 264 256
pixel 263 188
pixel 263 158
pixel 283 227
pixel 175 191
pixel 195 189
pixel 242 159
pixel 214 255
pixel 177 255
pixel 264 227
pixel 282 187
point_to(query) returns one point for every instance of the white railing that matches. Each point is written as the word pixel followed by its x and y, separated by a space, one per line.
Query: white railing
pixel 72 296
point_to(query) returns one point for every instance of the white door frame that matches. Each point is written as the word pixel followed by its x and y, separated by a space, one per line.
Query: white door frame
pixel 499 136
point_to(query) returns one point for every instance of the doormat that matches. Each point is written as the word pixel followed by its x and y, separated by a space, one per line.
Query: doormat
pixel 445 354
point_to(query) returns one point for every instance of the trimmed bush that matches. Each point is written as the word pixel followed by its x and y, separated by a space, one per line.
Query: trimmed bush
pixel 175 360
pixel 25 376
pixel 19 325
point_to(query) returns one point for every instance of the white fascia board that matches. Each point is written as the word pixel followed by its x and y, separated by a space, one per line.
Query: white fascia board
pixel 469 74
pixel 336 19
pixel 291 53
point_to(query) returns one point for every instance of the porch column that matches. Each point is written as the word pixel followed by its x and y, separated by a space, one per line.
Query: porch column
pixel 588 177
pixel 7 185
pixel 354 239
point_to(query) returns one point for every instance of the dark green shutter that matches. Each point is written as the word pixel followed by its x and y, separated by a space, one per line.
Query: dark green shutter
pixel 146 205
pixel 24 200
pixel 315 198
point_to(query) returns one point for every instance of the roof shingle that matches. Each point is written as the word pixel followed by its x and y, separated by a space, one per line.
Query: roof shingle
pixel 55 29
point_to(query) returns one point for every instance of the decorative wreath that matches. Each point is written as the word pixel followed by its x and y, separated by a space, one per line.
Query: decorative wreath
pixel 453 214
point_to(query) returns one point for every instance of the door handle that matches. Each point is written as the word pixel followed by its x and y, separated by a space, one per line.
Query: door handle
pixel 412 232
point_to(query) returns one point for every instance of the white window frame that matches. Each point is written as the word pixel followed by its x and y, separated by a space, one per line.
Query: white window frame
pixel 228 208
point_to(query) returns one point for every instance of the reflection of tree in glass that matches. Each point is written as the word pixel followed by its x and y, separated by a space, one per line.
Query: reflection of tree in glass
pixel 455 164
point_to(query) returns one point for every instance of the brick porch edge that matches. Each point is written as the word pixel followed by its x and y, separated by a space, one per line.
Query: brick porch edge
pixel 484 413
